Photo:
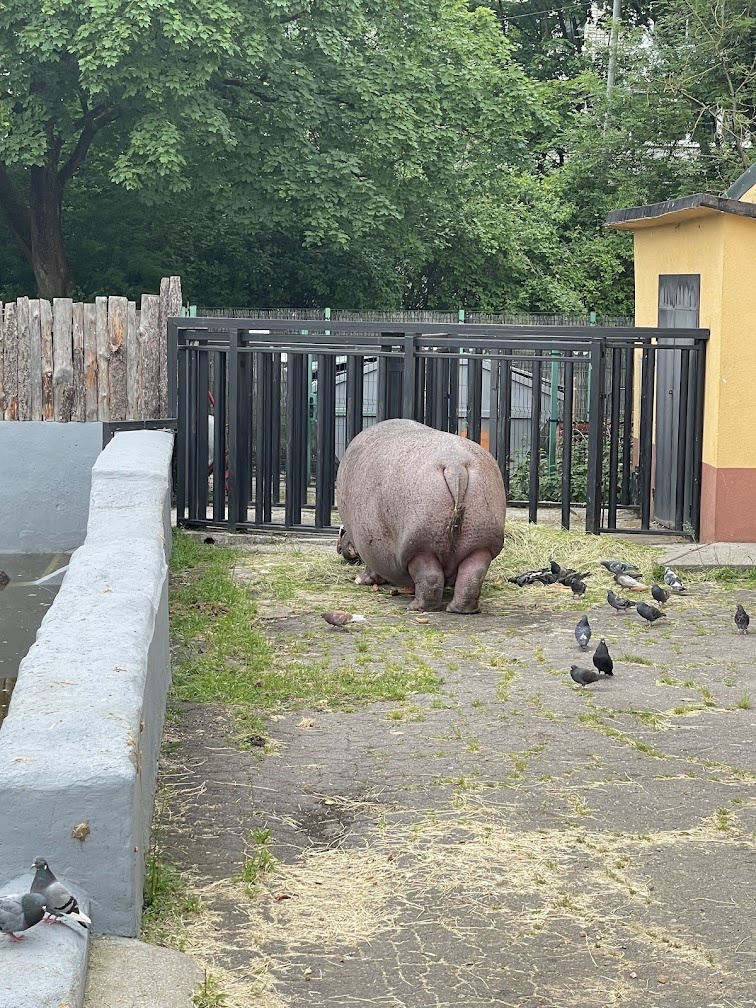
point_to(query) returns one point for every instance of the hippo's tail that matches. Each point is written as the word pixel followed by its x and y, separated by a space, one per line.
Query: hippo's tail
pixel 457 478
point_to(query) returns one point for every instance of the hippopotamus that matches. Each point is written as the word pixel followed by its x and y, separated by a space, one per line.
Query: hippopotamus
pixel 423 508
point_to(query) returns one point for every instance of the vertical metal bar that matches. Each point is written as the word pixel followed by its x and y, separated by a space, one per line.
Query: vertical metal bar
pixel 244 420
pixel 355 379
pixel 178 403
pixel 553 412
pixel 201 475
pixel 297 406
pixel 191 454
pixel 421 372
pixel 614 436
pixel 275 430
pixel 505 412
pixel 494 418
pixel 474 397
pixel 325 469
pixel 627 424
pixel 645 460
pixel 233 430
pixel 173 386
pixel 452 416
pixel 408 378
pixel 682 436
pixel 697 466
pixel 219 437
pixel 567 414
pixel 535 441
pixel 595 439
pixel 261 402
pixel 382 409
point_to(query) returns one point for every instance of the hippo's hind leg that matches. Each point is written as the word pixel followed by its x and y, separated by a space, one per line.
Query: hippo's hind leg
pixel 428 577
pixel 470 575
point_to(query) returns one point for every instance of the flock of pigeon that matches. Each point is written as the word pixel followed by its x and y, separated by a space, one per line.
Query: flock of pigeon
pixel 48 900
pixel 623 572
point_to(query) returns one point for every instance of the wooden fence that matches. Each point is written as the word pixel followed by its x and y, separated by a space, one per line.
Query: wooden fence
pixel 68 360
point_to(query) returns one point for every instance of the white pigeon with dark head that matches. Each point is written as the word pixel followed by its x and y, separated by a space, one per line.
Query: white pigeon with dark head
pixel 19 912
pixel 60 903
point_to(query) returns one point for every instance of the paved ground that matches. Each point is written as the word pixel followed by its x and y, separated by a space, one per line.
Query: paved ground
pixel 510 840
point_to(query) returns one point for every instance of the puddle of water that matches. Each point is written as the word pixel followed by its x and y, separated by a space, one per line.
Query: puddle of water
pixel 23 606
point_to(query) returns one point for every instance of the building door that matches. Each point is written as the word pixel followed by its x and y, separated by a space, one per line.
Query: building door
pixel 679 302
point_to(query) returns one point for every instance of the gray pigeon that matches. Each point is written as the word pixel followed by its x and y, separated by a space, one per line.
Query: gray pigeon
pixel 618 566
pixel 649 612
pixel 673 581
pixel 618 603
pixel 58 900
pixel 742 619
pixel 629 583
pixel 603 660
pixel 340 618
pixel 19 912
pixel 584 676
pixel 583 633
pixel 659 594
pixel 4 580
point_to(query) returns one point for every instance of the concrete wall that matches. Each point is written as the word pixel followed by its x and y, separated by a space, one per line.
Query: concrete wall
pixel 78 750
pixel 45 477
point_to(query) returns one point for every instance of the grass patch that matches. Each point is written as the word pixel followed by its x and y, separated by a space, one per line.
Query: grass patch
pixel 209 994
pixel 258 859
pixel 168 903
pixel 223 657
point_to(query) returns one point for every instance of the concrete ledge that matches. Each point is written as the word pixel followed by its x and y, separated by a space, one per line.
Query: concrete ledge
pixel 78 750
pixel 125 973
pixel 702 556
pixel 48 969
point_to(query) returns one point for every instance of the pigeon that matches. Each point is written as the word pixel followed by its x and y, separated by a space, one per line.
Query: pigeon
pixel 673 581
pixel 618 566
pixel 4 580
pixel 629 583
pixel 742 619
pixel 58 900
pixel 19 912
pixel 649 612
pixel 618 603
pixel 530 577
pixel 578 588
pixel 659 594
pixel 339 618
pixel 559 572
pixel 583 633
pixel 573 576
pixel 584 676
pixel 603 660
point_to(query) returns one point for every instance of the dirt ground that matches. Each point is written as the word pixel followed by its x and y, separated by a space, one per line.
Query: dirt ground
pixel 510 840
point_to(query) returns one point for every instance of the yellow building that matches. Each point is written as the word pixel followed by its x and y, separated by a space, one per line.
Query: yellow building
pixel 705 246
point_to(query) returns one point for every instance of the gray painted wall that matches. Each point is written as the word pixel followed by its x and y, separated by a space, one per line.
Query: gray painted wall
pixel 45 478
pixel 80 743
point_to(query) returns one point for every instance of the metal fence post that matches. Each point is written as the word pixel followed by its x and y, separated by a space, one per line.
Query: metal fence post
pixel 408 378
pixel 595 439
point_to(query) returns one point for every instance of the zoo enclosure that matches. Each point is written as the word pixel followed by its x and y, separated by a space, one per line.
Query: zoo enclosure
pixel 267 395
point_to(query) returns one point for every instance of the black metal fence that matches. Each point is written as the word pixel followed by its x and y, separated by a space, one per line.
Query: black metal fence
pixel 266 407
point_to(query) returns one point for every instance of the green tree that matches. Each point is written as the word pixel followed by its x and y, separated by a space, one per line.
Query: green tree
pixel 338 121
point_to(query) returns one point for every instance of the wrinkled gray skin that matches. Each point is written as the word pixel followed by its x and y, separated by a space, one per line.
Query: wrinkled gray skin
pixel 421 507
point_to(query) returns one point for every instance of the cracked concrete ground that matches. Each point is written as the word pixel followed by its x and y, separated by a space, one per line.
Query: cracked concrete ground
pixel 511 840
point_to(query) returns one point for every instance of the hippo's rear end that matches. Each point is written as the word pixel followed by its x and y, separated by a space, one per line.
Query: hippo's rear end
pixel 422 507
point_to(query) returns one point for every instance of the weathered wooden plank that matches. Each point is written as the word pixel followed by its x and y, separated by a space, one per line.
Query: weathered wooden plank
pixel 149 358
pixel 10 362
pixel 90 362
pixel 117 324
pixel 46 340
pixel 103 358
pixel 24 360
pixel 77 344
pixel 63 390
pixel 170 304
pixel 35 360
pixel 2 342
pixel 132 363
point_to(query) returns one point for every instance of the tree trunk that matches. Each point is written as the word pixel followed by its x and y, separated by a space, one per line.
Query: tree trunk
pixel 48 252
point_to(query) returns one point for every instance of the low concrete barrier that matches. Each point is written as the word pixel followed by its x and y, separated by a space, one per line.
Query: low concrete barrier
pixel 78 750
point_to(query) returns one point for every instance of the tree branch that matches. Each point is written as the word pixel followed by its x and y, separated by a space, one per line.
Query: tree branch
pixel 92 123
